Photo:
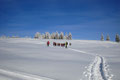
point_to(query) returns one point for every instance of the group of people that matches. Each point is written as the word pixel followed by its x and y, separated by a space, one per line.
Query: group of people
pixel 59 44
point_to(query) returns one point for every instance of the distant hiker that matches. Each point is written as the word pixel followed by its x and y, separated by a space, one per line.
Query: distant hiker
pixel 48 43
pixel 62 44
pixel 66 43
pixel 54 43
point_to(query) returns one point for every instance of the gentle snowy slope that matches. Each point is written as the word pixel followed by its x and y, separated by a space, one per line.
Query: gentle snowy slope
pixel 30 59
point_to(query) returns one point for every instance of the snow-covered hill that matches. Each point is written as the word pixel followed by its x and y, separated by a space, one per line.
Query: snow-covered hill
pixel 30 59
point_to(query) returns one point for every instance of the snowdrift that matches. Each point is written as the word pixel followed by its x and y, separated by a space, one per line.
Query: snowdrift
pixel 32 59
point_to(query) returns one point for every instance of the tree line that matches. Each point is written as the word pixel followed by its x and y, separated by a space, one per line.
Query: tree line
pixel 117 39
pixel 54 35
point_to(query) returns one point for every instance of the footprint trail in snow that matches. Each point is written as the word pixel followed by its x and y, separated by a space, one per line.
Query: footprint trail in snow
pixel 98 70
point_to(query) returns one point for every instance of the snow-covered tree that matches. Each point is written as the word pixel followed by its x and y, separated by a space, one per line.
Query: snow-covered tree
pixel 117 38
pixel 47 35
pixel 70 36
pixel 102 37
pixel 108 38
pixel 61 35
pixel 53 36
pixel 66 36
pixel 57 35
pixel 37 35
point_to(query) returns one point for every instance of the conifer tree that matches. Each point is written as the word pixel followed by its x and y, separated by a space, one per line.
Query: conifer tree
pixel 117 38
pixel 108 38
pixel 61 35
pixel 70 36
pixel 66 36
pixel 102 37
pixel 37 35
pixel 57 35
pixel 47 35
pixel 53 36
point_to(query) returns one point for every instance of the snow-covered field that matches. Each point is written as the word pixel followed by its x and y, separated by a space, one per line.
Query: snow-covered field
pixel 30 59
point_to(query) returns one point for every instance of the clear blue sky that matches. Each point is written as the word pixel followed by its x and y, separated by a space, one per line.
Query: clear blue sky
pixel 85 19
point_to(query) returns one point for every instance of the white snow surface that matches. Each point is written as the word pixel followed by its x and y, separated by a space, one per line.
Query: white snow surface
pixel 31 59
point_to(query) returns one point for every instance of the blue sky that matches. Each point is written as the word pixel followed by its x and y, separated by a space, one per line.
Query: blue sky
pixel 85 19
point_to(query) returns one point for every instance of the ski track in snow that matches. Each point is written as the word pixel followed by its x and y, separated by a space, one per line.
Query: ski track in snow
pixel 98 70
pixel 81 51
pixel 22 76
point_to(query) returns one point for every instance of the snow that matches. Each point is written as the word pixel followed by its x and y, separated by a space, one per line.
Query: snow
pixel 99 70
pixel 31 59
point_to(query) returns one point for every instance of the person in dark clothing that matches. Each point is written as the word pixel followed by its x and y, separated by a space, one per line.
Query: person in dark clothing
pixel 54 43
pixel 48 43
pixel 66 43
